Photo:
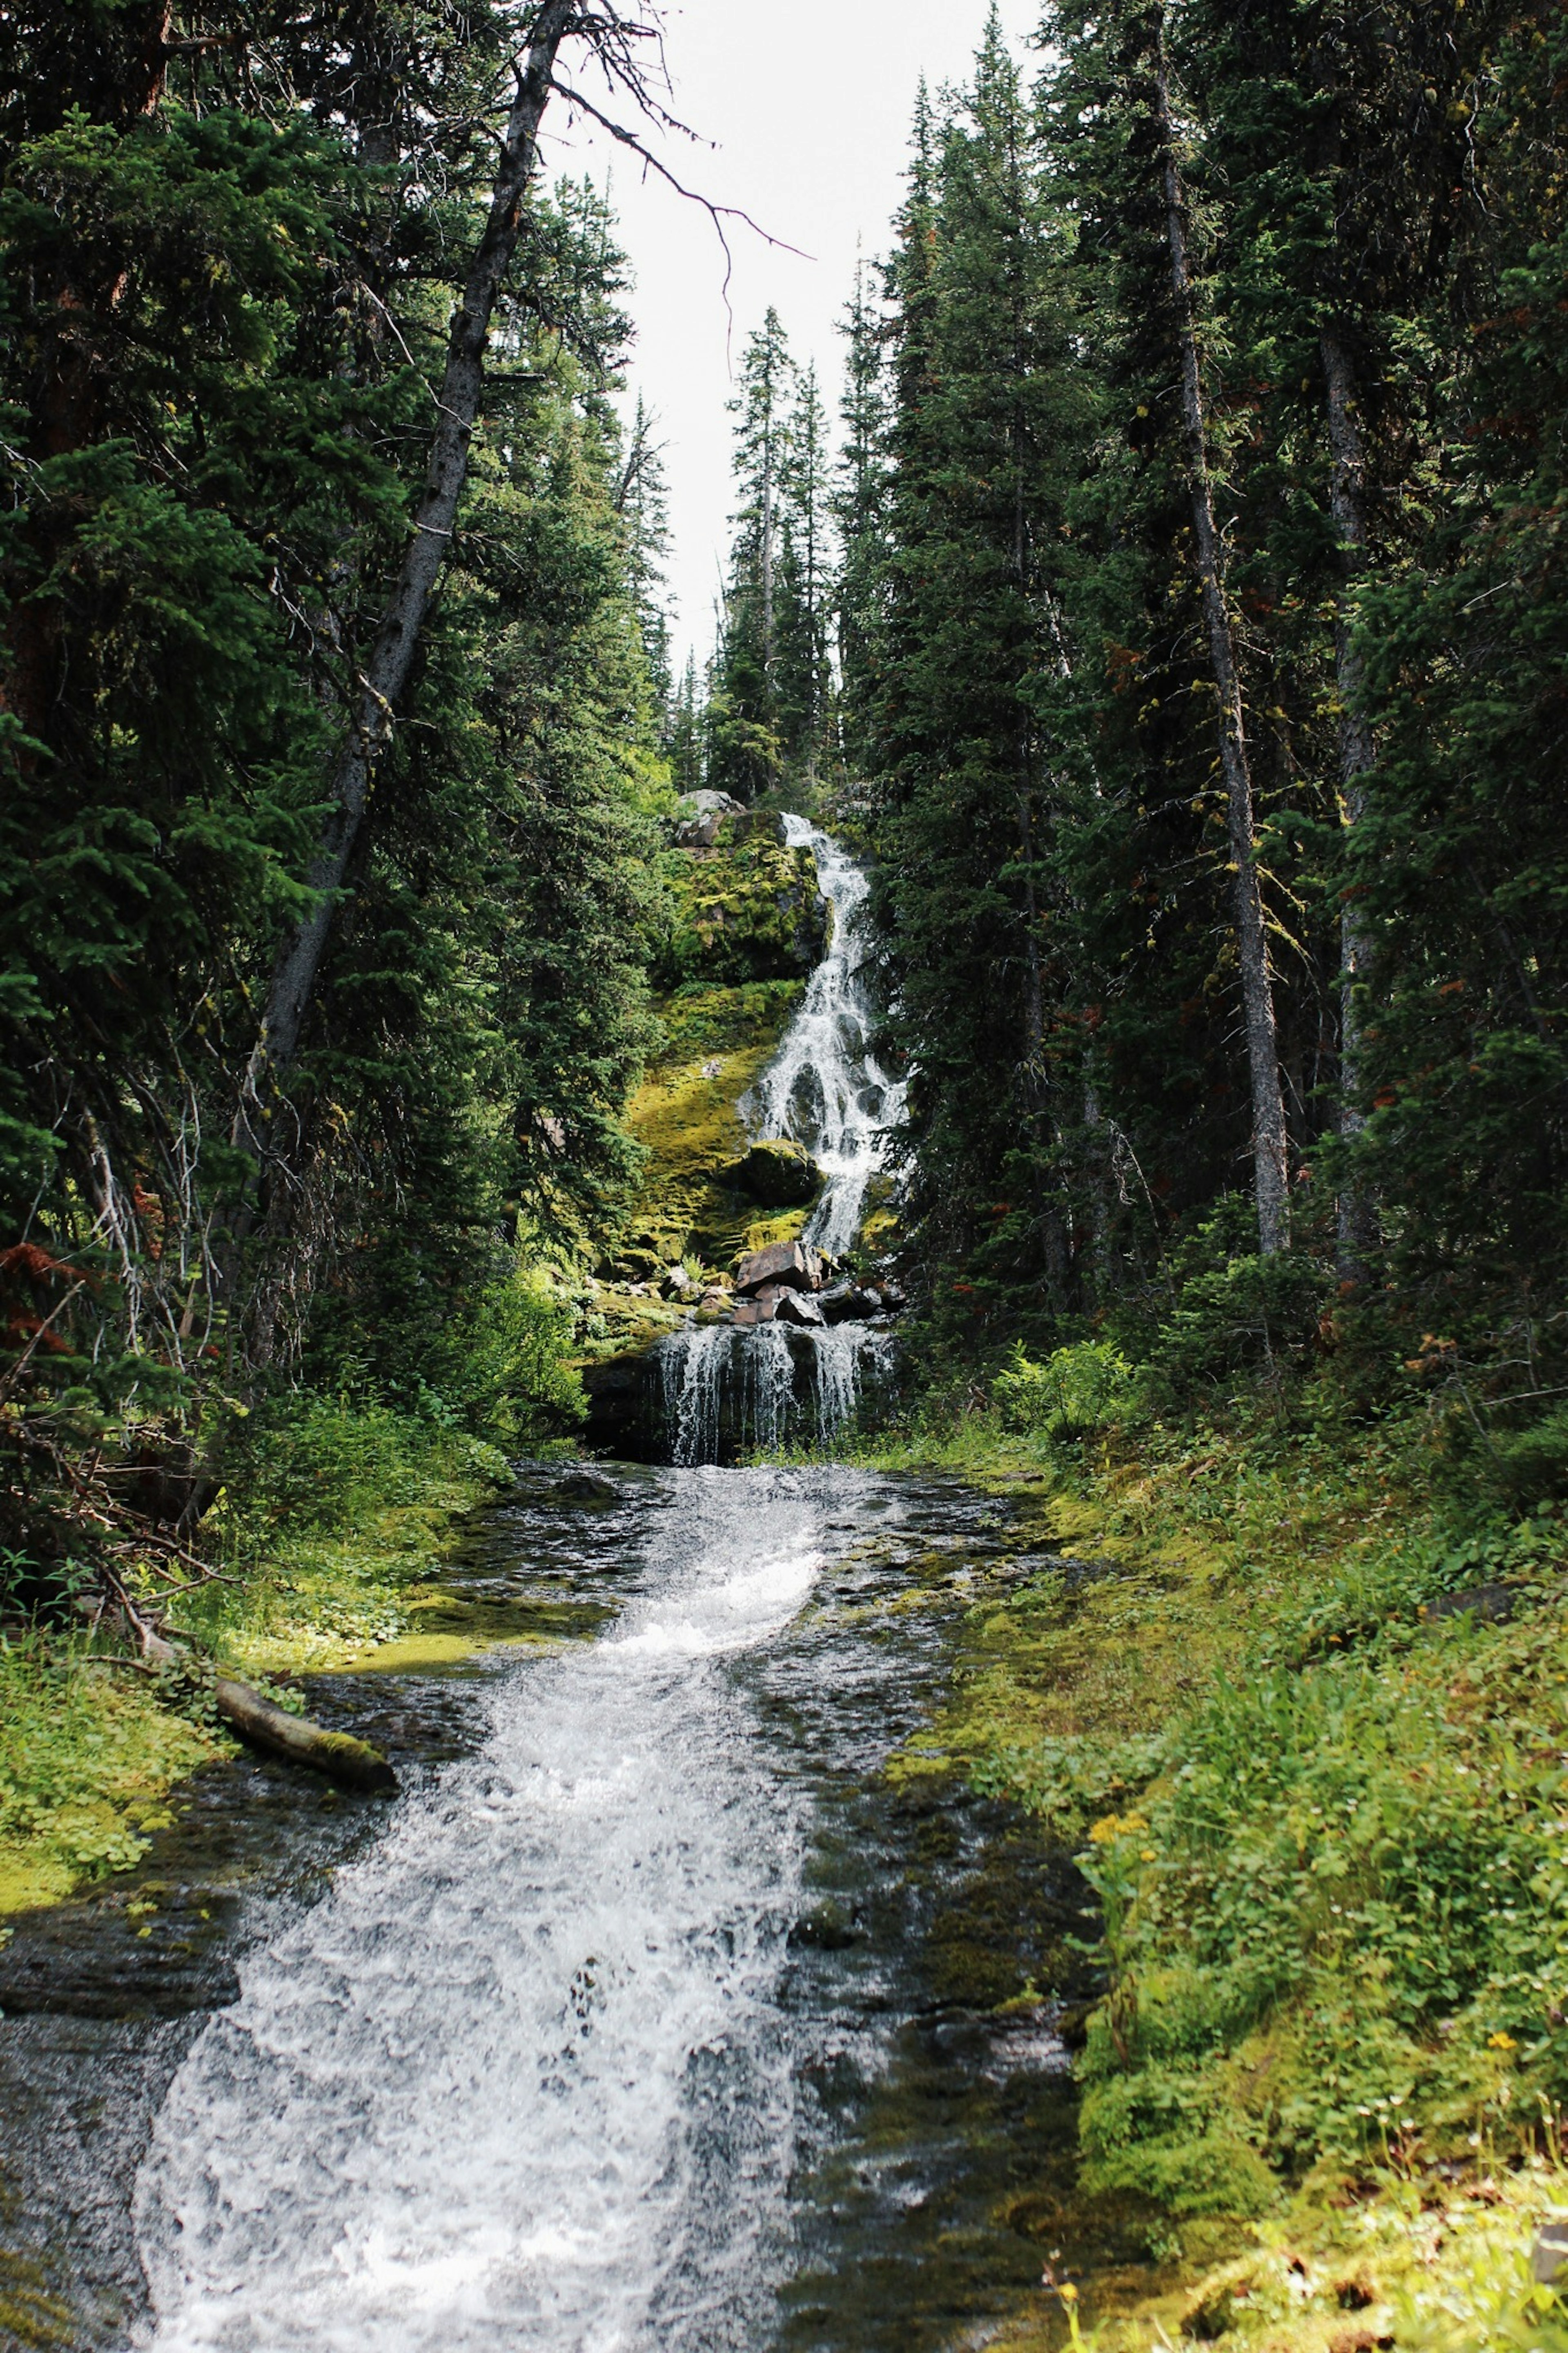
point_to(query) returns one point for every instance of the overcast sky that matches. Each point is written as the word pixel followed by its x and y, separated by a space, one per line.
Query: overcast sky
pixel 804 111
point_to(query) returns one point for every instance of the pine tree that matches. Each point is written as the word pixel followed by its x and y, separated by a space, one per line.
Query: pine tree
pixel 753 718
pixel 966 799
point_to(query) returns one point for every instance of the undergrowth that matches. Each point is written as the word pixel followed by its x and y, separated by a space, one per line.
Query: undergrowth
pixel 1294 1693
pixel 89 1750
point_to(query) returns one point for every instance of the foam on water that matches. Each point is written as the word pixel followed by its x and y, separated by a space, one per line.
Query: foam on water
pixel 825 1087
pixel 521 2077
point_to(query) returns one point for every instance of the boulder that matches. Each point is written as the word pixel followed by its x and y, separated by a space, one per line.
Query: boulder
pixel 702 817
pixel 587 1487
pixel 800 1307
pixel 849 1302
pixel 790 1264
pixel 777 1172
pixel 676 1284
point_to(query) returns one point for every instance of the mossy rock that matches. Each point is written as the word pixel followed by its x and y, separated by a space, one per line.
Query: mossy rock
pixel 718 1042
pixel 747 909
pixel 777 1173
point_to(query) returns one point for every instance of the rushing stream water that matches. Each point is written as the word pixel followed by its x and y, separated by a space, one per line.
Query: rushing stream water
pixel 658 2017
pixel 601 2045
pixel 724 1391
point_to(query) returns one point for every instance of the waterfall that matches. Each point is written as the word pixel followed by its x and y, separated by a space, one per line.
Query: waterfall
pixel 722 1391
pixel 824 1088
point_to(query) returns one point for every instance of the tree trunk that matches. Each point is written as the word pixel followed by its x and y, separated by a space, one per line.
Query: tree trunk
pixel 1269 1140
pixel 1358 1223
pixel 386 673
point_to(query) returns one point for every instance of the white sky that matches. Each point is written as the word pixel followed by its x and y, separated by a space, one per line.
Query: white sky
pixel 808 109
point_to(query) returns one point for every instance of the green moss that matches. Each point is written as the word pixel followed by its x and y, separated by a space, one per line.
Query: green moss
pixel 86 1757
pixel 29 2314
pixel 718 1042
pixel 745 910
pixel 1326 1835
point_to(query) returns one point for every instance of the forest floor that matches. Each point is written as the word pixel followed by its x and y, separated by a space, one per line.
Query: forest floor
pixel 327 1565
pixel 1285 1707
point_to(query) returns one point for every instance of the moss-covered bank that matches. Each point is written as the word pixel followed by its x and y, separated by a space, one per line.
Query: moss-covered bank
pixel 1305 1725
pixel 326 1556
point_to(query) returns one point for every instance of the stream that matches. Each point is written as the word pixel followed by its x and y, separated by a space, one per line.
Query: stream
pixel 675 2005
pixel 657 2013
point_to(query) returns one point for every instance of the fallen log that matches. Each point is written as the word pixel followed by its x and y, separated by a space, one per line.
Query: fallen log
pixel 338 1755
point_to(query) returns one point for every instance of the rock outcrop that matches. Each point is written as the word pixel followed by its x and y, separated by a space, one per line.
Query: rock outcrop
pixel 780 1174
pixel 791 1266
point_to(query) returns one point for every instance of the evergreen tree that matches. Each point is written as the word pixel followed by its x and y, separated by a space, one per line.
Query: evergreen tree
pixel 860 504
pixel 749 714
pixel 967 801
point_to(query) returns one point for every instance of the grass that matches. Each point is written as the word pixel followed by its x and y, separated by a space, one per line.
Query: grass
pixel 89 1752
pixel 1327 1829
pixel 338 1519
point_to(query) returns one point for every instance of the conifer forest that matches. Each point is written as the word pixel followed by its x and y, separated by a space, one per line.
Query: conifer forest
pixel 783 1398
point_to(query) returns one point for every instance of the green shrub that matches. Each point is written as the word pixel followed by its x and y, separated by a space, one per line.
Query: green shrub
pixel 1341 1917
pixel 1079 1393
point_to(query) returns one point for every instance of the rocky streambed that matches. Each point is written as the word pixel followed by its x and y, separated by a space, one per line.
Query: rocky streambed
pixel 681 2000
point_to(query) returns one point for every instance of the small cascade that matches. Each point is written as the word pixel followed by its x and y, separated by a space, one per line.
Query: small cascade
pixel 722 1390
pixel 824 1088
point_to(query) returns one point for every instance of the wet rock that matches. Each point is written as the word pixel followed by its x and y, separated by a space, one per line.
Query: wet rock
pixel 676 1284
pixel 850 1303
pixel 616 1393
pixel 800 1307
pixel 790 1264
pixel 826 1928
pixel 778 1172
pixel 587 1487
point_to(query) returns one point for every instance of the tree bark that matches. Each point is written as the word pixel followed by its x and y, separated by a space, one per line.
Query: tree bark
pixel 1270 1146
pixel 385 675
pixel 1358 1222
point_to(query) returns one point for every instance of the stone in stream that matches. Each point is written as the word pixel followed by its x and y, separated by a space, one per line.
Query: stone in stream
pixel 587 1487
pixel 849 1302
pixel 790 1264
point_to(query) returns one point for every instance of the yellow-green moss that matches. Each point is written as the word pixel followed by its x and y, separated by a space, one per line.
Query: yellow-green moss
pixel 686 1113
pixel 87 1756
pixel 29 2314
pixel 745 910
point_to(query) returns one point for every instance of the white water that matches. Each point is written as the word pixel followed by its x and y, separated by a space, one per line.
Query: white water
pixel 522 2080
pixel 721 1386
pixel 825 1090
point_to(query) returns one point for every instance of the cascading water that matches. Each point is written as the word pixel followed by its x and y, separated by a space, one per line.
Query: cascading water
pixel 824 1088
pixel 722 1389
pixel 620 2040
pixel 636 2030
